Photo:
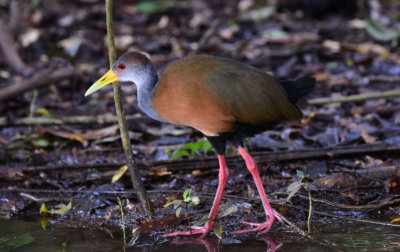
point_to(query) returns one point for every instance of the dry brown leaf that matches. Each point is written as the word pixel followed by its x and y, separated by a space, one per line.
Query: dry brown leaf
pixel 81 136
pixel 331 45
pixel 321 76
pixel 368 138
pixel 367 48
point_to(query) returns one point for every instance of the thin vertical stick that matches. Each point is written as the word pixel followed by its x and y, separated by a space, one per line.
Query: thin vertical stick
pixel 126 143
pixel 309 210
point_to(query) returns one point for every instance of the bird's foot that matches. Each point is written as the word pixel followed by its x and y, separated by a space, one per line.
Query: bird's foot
pixel 204 231
pixel 260 227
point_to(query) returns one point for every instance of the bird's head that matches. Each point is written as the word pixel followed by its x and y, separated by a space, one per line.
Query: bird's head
pixel 132 66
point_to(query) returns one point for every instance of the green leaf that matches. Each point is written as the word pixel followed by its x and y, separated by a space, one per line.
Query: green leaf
pixel 18 137
pixel 175 203
pixel 218 231
pixel 228 211
pixel 168 152
pixel 293 188
pixel 192 147
pixel 43 112
pixel 202 222
pixel 186 193
pixel 381 32
pixel 300 174
pixel 152 7
pixel 275 34
pixel 207 146
pixel 8 244
pixel 349 63
pixel 41 142
pixel 180 153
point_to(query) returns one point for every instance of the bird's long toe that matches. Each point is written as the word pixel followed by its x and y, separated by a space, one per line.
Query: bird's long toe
pixel 204 231
pixel 260 227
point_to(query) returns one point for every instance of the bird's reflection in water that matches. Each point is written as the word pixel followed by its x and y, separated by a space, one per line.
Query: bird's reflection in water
pixel 211 245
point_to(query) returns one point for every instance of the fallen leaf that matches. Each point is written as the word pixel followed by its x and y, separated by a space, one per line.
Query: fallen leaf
pixel 293 188
pixel 381 32
pixel 30 36
pixel 218 231
pixel 60 211
pixel 81 136
pixel 118 174
pixel 368 138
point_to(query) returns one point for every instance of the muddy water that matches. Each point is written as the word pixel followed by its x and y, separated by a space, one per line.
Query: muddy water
pixel 24 235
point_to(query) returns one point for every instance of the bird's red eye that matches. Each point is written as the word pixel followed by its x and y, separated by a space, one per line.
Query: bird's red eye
pixel 121 66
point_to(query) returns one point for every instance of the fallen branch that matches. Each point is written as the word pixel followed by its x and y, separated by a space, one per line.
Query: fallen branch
pixel 41 79
pixel 102 119
pixel 261 158
pixel 10 53
pixel 355 98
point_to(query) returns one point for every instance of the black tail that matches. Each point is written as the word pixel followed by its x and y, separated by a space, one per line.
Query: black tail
pixel 299 87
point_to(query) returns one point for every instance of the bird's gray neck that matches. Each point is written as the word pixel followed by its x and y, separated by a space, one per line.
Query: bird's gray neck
pixel 145 91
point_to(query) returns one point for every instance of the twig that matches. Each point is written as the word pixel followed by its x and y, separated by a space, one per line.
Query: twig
pixel 351 207
pixel 302 232
pixel 43 78
pixel 340 217
pixel 355 98
pixel 309 210
pixel 291 224
pixel 101 119
pixel 126 143
pixel 209 33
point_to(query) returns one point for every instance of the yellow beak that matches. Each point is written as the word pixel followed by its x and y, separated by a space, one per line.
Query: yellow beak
pixel 106 79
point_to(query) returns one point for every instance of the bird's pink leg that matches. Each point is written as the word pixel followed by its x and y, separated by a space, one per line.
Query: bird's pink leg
pixel 223 179
pixel 253 169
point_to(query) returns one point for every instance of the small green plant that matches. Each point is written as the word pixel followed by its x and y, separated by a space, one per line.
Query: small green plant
pixel 295 187
pixel 122 219
pixel 349 63
pixel 190 149
pixel 28 141
pixel 188 199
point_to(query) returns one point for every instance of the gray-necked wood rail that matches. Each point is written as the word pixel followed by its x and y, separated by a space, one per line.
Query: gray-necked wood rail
pixel 224 99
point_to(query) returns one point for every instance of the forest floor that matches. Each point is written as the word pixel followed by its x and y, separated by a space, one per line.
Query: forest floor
pixel 57 146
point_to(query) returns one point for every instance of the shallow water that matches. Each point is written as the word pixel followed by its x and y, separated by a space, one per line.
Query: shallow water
pixel 24 235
